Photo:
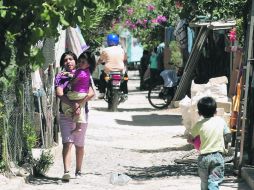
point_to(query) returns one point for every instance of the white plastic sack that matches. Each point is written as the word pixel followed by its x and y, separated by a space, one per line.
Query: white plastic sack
pixel 197 88
pixel 216 87
pixel 219 90
pixel 119 179
pixel 185 105
pixel 36 80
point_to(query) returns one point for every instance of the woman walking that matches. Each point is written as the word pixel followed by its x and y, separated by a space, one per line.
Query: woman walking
pixel 68 63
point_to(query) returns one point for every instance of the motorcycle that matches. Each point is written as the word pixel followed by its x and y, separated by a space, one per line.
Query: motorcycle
pixel 114 94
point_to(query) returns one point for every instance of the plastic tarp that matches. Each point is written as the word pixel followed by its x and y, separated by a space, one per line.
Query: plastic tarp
pixel 75 41
pixel 170 78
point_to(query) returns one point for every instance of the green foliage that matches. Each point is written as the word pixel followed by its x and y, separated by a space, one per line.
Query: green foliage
pixel 29 136
pixel 152 33
pixel 97 20
pixel 218 10
pixel 145 19
pixel 40 19
pixel 92 26
pixel 175 54
pixel 1 116
pixel 42 165
pixel 240 30
pixel 4 149
pixel 1 105
pixel 2 166
pixel 214 9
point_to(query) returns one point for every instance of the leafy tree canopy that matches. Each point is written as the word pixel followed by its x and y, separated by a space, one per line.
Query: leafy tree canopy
pixel 141 16
pixel 25 22
pixel 146 20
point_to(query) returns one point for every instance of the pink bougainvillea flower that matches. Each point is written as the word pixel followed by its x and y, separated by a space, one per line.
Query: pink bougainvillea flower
pixel 130 11
pixel 133 26
pixel 161 19
pixel 128 22
pixel 232 35
pixel 144 24
pixel 154 20
pixel 150 7
pixel 139 21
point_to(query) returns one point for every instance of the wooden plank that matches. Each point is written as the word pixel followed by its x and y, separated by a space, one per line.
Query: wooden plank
pixel 233 83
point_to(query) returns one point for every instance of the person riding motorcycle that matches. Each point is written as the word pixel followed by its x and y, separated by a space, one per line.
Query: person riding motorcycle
pixel 113 57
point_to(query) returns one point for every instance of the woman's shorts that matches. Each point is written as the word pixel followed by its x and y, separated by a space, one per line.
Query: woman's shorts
pixel 67 125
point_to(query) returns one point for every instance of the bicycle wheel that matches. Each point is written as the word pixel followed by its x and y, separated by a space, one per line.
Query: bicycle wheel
pixel 157 99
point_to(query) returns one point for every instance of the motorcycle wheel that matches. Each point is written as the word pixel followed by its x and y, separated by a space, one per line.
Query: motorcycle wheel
pixel 113 101
pixel 156 99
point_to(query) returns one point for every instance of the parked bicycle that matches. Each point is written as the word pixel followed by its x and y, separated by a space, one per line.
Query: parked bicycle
pixel 161 91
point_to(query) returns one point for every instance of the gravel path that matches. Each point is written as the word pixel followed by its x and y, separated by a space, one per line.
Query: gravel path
pixel 138 141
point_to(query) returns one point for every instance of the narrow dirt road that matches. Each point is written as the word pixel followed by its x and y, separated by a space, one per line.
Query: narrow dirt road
pixel 138 141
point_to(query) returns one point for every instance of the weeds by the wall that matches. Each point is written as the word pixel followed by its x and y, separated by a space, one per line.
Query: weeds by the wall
pixel 42 165
pixel 30 136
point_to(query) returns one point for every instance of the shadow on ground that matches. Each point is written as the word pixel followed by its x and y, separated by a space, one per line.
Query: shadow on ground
pixel 190 169
pixel 229 169
pixel 179 136
pixel 152 120
pixel 147 173
pixel 104 109
pixel 42 180
pixel 138 91
pixel 186 147
pixel 234 183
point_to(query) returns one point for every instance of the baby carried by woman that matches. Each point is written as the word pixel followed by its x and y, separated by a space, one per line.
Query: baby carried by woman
pixel 79 85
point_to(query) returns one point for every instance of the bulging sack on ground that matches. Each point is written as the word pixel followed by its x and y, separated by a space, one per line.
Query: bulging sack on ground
pixel 119 179
pixel 217 87
pixel 185 105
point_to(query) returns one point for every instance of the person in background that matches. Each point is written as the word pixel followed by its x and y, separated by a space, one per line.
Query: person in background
pixel 113 57
pixel 160 53
pixel 143 67
pixel 153 61
pixel 213 133
pixel 68 63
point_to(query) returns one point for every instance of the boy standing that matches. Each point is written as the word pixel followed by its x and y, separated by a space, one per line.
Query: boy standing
pixel 213 131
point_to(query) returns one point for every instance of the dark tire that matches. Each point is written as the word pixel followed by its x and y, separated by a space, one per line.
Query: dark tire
pixel 156 100
pixel 107 95
pixel 113 101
